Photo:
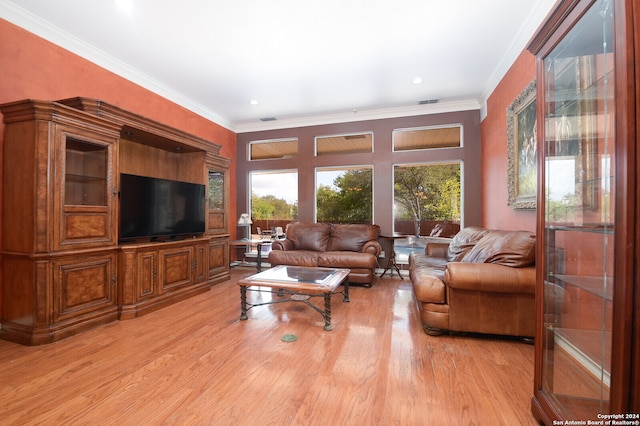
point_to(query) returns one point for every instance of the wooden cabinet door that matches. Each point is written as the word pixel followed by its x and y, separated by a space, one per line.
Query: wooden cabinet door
pixel 218 257
pixel 200 262
pixel 84 285
pixel 85 189
pixel 176 269
pixel 147 270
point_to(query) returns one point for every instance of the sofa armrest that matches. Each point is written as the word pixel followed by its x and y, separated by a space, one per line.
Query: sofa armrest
pixel 437 250
pixel 372 247
pixel 490 277
pixel 282 245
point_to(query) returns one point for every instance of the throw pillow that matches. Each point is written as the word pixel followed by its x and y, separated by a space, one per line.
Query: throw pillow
pixel 464 241
pixel 309 236
pixel 509 248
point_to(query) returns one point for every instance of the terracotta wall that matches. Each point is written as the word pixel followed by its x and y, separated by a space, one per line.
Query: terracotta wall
pixel 31 67
pixel 495 211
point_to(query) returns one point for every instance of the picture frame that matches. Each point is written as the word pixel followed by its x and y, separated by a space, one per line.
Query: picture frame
pixel 522 150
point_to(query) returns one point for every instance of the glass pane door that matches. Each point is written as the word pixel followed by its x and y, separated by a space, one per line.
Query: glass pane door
pixel 85 173
pixel 578 204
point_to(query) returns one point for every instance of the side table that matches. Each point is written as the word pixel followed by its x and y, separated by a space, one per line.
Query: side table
pixel 248 244
pixel 391 260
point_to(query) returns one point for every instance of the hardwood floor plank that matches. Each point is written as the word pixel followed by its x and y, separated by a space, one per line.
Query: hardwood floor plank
pixel 196 363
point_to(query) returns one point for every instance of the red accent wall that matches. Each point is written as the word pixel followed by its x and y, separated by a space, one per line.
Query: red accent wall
pixel 496 213
pixel 31 67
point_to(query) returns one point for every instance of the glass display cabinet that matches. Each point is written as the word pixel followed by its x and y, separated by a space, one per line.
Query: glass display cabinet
pixel 584 344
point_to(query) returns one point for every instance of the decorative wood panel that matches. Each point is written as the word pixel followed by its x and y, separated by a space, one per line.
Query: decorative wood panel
pixel 176 268
pixel 147 274
pixel 219 259
pixel 83 284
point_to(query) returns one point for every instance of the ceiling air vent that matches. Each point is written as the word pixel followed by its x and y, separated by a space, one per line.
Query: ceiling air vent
pixel 268 119
pixel 428 101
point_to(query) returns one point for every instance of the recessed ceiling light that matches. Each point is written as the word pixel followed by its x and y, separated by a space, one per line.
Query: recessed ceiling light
pixel 253 102
pixel 417 80
pixel 125 5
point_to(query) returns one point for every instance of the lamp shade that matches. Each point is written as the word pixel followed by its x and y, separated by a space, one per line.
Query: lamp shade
pixel 245 219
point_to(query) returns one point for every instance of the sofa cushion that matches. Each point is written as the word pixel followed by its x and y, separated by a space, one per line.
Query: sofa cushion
pixel 428 285
pixel 351 237
pixel 346 259
pixel 508 248
pixel 419 260
pixel 294 258
pixel 309 236
pixel 463 242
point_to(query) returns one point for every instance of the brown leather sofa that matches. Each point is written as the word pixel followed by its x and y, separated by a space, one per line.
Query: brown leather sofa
pixel 483 281
pixel 351 246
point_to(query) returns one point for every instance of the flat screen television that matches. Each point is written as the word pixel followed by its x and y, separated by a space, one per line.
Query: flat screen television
pixel 159 209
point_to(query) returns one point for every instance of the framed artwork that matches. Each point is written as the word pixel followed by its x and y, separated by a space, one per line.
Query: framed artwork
pixel 522 146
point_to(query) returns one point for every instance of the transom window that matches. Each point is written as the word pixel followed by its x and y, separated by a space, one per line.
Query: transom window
pixel 273 149
pixel 359 143
pixel 427 138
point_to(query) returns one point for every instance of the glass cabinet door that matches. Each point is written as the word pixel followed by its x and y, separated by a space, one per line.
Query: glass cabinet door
pixel 578 169
pixel 216 202
pixel 85 192
pixel 85 173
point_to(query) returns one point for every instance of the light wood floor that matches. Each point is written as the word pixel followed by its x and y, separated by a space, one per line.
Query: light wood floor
pixel 195 363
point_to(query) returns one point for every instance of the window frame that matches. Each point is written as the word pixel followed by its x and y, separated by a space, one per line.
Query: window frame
pixel 343 168
pixel 345 135
pixel 425 128
pixel 267 141
pixel 461 200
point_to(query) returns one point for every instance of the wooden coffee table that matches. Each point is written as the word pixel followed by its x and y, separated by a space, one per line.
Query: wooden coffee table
pixel 296 284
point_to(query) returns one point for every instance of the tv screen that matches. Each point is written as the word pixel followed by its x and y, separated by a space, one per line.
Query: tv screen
pixel 159 208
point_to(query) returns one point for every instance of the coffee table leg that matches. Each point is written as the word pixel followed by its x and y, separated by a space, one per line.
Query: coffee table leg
pixel 346 290
pixel 243 303
pixel 327 312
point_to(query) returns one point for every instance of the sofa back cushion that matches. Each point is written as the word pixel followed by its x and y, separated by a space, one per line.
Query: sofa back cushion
pixel 509 248
pixel 463 242
pixel 309 236
pixel 351 237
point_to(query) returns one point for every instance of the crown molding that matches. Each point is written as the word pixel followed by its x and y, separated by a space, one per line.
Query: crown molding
pixel 34 24
pixel 537 15
pixel 24 19
pixel 360 115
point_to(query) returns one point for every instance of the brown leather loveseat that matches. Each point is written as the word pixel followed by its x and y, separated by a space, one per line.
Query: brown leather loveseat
pixel 350 246
pixel 481 282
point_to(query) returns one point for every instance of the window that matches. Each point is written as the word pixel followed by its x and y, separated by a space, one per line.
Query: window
pixel 427 138
pixel 273 149
pixel 344 195
pixel 344 144
pixel 274 198
pixel 427 199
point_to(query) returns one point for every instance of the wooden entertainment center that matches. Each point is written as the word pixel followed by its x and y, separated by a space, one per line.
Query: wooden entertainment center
pixel 63 267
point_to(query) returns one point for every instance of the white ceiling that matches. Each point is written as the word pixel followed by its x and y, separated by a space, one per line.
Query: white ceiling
pixel 304 61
